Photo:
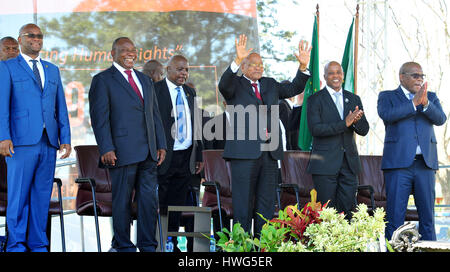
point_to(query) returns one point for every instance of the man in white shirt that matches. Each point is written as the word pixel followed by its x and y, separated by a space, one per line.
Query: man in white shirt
pixel 181 118
pixel 334 116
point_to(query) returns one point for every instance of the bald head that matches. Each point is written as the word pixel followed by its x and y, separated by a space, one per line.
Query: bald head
pixel 30 40
pixel 154 69
pixel 178 70
pixel 333 75
pixel 411 76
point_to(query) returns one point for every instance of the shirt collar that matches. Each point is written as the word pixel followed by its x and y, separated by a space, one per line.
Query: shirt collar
pixel 28 58
pixel 332 91
pixel 121 69
pixel 172 86
pixel 405 91
pixel 251 81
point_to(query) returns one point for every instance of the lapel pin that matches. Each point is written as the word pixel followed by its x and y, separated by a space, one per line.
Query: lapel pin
pixel 346 100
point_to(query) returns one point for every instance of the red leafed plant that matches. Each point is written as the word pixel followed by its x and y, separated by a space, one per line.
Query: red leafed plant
pixel 297 221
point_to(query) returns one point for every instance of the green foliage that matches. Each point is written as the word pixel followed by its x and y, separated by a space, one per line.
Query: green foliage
pixel 315 228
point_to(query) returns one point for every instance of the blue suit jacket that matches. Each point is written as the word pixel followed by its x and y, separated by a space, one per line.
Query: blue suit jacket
pixel 406 128
pixel 24 108
pixel 121 122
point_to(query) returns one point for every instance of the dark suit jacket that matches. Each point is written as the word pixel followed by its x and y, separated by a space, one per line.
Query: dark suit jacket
pixel 238 91
pixel 406 128
pixel 294 126
pixel 166 108
pixel 332 139
pixel 285 114
pixel 121 122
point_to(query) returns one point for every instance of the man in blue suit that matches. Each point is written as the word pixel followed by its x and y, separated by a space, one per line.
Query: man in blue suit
pixel 409 155
pixel 33 124
pixel 130 136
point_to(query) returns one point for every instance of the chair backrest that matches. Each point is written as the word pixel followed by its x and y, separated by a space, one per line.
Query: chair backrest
pixel 294 171
pixel 87 157
pixel 371 174
pixel 217 169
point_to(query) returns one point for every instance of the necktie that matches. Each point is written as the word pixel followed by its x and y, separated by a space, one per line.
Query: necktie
pixel 258 95
pixel 133 84
pixel 339 107
pixel 36 73
pixel 411 96
pixel 181 117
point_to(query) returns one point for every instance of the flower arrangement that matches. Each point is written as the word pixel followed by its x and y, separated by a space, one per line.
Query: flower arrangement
pixel 315 228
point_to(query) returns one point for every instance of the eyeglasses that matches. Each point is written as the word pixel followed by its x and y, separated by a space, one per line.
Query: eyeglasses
pixel 415 75
pixel 254 65
pixel 34 36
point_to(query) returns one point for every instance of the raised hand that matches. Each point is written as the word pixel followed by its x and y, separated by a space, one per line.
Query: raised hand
pixel 303 55
pixel 424 94
pixel 241 49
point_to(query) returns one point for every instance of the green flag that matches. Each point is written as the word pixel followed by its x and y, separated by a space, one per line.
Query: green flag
pixel 347 63
pixel 312 86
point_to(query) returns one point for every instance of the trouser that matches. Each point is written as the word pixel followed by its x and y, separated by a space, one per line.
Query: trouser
pixel 141 177
pixel 31 170
pixel 340 189
pixel 254 184
pixel 400 183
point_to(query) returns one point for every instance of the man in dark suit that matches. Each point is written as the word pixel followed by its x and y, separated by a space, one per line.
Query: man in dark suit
pixel 252 101
pixel 131 141
pixel 181 122
pixel 334 115
pixel 409 156
pixel 294 122
pixel 154 69
pixel 34 124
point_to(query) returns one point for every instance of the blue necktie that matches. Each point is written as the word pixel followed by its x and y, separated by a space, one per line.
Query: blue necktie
pixel 36 73
pixel 181 117
pixel 411 96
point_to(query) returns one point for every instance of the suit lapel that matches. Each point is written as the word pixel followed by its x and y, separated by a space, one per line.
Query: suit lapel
pixel 46 74
pixel 27 68
pixel 115 74
pixel 329 103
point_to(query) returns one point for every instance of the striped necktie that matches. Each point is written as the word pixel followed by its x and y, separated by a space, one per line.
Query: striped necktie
pixel 181 117
pixel 36 73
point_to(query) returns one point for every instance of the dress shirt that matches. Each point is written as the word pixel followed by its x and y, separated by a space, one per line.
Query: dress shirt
pixel 133 74
pixel 333 96
pixel 173 96
pixel 406 92
pixel 39 66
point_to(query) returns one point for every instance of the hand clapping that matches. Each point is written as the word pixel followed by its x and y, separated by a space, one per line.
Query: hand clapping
pixel 353 116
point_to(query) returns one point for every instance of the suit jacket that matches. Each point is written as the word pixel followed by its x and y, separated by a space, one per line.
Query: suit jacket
pixel 406 128
pixel 294 126
pixel 121 122
pixel 332 139
pixel 25 107
pixel 166 108
pixel 285 114
pixel 238 92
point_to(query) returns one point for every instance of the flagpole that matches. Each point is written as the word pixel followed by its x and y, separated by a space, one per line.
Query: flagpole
pixel 317 16
pixel 355 66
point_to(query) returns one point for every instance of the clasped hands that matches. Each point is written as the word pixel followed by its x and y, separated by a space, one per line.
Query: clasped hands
pixel 302 56
pixel 421 97
pixel 354 116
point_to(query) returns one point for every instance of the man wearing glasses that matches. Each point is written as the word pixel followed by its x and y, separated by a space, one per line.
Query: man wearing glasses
pixel 34 124
pixel 254 168
pixel 409 156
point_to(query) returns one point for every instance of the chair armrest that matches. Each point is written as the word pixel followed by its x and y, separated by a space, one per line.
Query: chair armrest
pixel 57 181
pixel 91 181
pixel 211 183
pixel 289 185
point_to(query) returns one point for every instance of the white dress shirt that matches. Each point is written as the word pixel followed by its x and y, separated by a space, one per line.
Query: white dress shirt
pixel 173 96
pixel 39 66
pixel 406 92
pixel 133 74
